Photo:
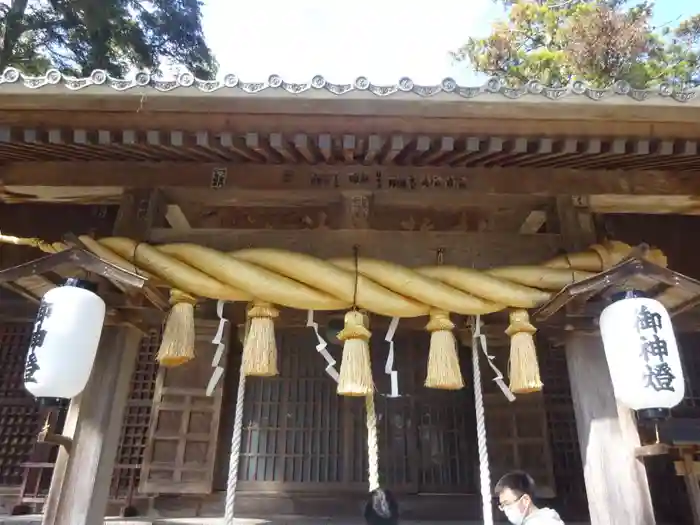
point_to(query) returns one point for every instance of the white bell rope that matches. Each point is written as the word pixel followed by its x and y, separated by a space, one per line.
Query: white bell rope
pixel 389 366
pixel 322 347
pixel 235 456
pixel 479 340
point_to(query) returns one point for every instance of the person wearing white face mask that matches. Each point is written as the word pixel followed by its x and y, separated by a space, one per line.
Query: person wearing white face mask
pixel 515 493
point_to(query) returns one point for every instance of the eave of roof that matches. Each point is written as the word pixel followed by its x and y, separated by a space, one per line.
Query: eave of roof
pixel 229 94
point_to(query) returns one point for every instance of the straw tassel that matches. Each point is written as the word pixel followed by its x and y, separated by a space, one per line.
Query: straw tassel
pixel 524 370
pixel 444 371
pixel 355 368
pixel 260 348
pixel 177 344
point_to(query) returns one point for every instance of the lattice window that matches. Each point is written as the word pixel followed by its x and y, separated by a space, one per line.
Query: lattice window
pixel 20 420
pixel 137 416
pixel 563 436
pixel 19 416
pixel 292 423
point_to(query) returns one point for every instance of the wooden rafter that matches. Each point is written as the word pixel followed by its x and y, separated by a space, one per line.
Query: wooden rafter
pixel 25 144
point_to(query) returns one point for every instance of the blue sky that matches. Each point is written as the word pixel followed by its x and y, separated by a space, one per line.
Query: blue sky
pixel 381 39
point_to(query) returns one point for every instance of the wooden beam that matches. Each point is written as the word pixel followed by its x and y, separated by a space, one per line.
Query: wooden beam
pixel 140 209
pixel 595 120
pixel 412 248
pixel 533 222
pixel 514 181
pixel 357 210
pixel 176 218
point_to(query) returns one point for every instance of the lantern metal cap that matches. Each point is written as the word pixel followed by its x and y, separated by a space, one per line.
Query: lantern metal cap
pixel 627 294
pixel 81 283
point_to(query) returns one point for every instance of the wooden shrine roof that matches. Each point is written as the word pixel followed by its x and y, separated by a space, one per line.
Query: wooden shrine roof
pixel 231 85
pixel 319 96
pixel 583 301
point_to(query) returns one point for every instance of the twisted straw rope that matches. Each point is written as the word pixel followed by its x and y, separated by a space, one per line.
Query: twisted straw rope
pixel 305 282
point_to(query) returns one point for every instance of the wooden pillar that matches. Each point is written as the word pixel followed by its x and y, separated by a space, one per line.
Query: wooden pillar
pixel 82 478
pixel 616 481
pixel 80 494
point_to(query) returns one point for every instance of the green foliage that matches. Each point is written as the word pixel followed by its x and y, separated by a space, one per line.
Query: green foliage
pixel 78 36
pixel 599 41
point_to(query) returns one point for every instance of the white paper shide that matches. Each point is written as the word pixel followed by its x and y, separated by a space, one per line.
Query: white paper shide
pixel 64 341
pixel 642 353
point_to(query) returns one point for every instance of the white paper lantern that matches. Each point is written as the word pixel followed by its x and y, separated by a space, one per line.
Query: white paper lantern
pixel 642 353
pixel 64 341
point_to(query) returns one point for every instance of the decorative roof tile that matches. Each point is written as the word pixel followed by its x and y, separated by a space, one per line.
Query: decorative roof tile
pixel 493 85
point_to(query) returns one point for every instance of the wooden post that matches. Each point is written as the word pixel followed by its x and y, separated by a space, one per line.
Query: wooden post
pixel 82 478
pixel 616 481
pixel 84 487
pixel 692 483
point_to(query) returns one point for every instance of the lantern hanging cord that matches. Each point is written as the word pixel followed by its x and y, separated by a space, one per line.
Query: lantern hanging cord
pixel 304 282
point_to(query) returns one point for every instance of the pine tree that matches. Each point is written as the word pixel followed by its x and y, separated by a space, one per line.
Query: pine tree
pixel 79 36
pixel 599 41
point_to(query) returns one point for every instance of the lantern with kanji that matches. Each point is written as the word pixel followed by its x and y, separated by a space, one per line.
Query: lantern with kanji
pixel 642 354
pixel 64 341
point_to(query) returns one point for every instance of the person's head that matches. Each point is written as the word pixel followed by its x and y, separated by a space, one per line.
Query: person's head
pixel 381 509
pixel 515 492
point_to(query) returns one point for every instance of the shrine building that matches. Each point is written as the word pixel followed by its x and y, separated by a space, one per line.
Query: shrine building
pixel 487 179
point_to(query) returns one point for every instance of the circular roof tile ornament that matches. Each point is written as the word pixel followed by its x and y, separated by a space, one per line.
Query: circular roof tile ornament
pixel 622 87
pixel 406 84
pixel 318 82
pixel 665 89
pixel 10 75
pixel 185 79
pixel 578 87
pixel 449 85
pixel 362 83
pixel 494 84
pixel 230 80
pixel 535 87
pixel 53 76
pixel 142 78
pixel 98 77
pixel 274 81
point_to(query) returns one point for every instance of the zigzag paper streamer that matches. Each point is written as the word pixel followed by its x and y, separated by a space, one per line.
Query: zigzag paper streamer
pixel 389 366
pixel 220 350
pixel 322 346
pixel 479 338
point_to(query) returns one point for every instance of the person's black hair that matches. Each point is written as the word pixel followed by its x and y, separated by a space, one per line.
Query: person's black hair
pixel 381 508
pixel 521 483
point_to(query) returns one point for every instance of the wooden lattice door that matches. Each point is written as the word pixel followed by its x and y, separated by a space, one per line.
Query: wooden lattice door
pixel 19 413
pixel 181 447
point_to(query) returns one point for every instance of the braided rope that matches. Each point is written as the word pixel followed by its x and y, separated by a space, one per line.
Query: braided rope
pixel 484 469
pixel 308 283
pixel 235 456
pixel 372 443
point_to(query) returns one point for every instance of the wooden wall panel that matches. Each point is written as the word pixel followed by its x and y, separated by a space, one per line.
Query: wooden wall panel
pixel 180 452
